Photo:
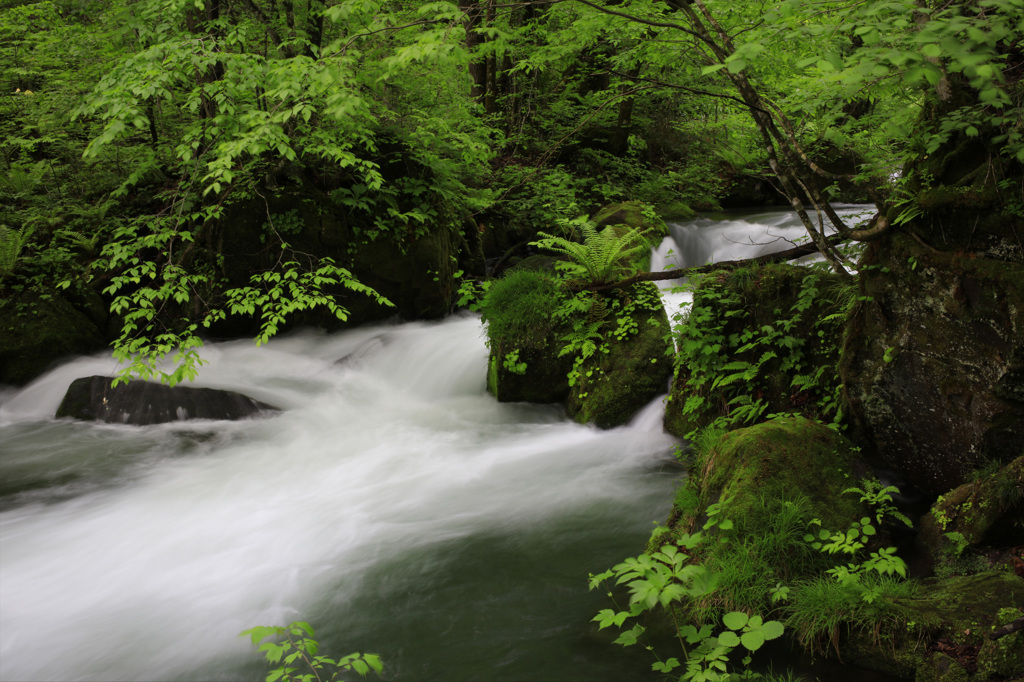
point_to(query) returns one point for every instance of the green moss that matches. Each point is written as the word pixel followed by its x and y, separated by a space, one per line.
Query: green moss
pixel 633 214
pixel 780 459
pixel 676 211
pixel 961 610
pixel 987 510
pixel 518 308
pixel 518 311
pixel 631 367
pixel 1003 657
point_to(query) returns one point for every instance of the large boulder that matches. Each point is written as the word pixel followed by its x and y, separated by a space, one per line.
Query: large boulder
pixel 782 459
pixel 525 339
pixel 933 365
pixel 630 361
pixel 143 402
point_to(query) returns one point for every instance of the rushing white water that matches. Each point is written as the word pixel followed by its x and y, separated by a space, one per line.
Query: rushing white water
pixel 140 553
pixel 734 236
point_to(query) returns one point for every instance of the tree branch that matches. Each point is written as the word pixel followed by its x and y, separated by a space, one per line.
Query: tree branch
pixel 778 256
pixel 1007 629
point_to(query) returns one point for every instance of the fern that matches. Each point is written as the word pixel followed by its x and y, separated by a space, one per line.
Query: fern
pixel 11 244
pixel 602 257
pixel 89 245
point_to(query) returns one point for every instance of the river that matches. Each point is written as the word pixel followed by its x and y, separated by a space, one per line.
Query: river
pixel 392 503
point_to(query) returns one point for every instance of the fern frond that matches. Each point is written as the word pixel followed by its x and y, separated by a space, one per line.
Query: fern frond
pixel 11 244
pixel 601 257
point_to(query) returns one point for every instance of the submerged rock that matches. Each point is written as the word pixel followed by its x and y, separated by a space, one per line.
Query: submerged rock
pixel 145 402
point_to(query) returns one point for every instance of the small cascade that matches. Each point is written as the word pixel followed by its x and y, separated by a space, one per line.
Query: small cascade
pixel 735 235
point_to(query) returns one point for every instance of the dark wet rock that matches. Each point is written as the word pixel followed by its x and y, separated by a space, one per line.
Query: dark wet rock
pixel 145 402
pixel 934 364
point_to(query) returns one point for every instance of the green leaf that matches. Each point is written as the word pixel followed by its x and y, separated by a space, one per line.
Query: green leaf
pixel 735 620
pixel 772 629
pixel 753 640
pixel 737 65
pixel 729 639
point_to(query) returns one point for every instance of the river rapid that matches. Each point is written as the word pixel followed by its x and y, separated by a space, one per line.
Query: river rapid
pixel 392 503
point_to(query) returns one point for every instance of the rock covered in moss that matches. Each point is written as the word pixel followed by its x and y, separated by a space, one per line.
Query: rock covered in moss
pixel 934 361
pixel 39 327
pixel 782 459
pixel 1003 657
pixel 632 214
pixel 944 634
pixel 766 335
pixel 986 511
pixel 632 366
pixel 525 339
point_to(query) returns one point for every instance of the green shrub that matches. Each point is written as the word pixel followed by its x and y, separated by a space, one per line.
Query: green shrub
pixel 518 308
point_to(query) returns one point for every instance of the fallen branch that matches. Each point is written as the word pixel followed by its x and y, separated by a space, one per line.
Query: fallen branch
pixel 778 256
pixel 1007 629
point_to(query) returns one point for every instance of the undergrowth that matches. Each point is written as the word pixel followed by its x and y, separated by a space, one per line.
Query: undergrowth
pixel 742 356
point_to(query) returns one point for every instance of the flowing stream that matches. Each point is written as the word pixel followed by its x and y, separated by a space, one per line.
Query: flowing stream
pixel 392 503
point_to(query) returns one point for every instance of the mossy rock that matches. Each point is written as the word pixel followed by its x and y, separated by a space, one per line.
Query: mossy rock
pixel 1003 657
pixel 782 459
pixel 986 511
pixel 945 632
pixel 632 214
pixel 39 327
pixel 933 363
pixel 634 365
pixel 676 211
pixel 525 339
pixel 789 316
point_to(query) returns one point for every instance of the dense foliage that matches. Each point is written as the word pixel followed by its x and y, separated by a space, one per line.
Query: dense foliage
pixel 132 128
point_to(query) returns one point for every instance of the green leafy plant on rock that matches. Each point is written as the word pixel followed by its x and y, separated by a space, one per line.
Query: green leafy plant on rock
pixel 664 579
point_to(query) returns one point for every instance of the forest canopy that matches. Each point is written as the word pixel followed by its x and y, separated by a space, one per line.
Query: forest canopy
pixel 136 133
